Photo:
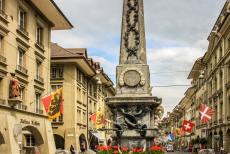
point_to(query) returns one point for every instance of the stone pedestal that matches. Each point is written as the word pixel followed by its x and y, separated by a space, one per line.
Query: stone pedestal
pixel 134 119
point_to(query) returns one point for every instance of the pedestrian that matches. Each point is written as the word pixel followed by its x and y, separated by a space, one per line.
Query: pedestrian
pixel 72 149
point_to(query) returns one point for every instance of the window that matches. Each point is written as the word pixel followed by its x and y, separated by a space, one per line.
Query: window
pixel 59 119
pixel 57 71
pixel 1 44
pixel 79 76
pixel 55 87
pixel 38 108
pixel 1 5
pixel 78 116
pixel 1 88
pixel 84 118
pixel 221 52
pixel 30 140
pixel 39 35
pixel 22 19
pixel 38 68
pixel 20 59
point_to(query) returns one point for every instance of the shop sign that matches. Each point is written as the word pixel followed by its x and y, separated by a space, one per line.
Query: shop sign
pixel 29 122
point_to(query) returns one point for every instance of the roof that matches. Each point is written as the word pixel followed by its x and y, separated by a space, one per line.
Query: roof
pixel 221 18
pixel 60 54
pixel 52 12
pixel 197 67
pixel 58 51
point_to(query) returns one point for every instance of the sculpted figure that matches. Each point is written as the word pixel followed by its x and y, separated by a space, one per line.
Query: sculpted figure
pixel 15 88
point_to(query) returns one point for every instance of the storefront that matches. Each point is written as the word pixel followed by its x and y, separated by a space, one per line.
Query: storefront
pixel 25 133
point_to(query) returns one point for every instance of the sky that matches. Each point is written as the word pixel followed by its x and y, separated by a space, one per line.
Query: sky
pixel 176 35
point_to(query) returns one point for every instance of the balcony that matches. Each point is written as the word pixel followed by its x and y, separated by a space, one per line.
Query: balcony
pixel 228 118
pixel 39 79
pixel 39 111
pixel 2 60
pixel 22 31
pixel 21 107
pixel 22 69
pixel 215 122
pixel 40 46
pixel 2 101
pixel 4 16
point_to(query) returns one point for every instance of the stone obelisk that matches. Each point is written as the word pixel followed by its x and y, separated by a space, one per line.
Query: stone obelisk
pixel 133 106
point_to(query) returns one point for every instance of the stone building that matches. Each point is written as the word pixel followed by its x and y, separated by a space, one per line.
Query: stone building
pixel 85 85
pixel 25 32
pixel 211 78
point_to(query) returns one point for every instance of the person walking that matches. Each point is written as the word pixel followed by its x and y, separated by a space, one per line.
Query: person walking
pixel 72 150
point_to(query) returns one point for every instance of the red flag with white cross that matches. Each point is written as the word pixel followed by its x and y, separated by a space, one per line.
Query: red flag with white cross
pixel 205 113
pixel 187 126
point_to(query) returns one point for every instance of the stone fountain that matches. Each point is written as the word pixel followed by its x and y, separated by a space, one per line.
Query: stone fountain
pixel 135 109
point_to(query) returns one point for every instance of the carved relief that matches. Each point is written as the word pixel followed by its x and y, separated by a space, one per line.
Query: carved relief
pixel 132 77
pixel 131 119
pixel 132 30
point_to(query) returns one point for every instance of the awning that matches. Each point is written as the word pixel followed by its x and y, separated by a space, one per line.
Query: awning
pixel 98 136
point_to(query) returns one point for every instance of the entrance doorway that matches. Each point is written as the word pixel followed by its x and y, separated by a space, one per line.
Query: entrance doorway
pixel 221 140
pixel 83 143
pixel 2 140
pixel 59 142
pixel 31 140
pixel 210 141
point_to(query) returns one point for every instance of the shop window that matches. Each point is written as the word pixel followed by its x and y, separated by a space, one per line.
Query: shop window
pixel 30 140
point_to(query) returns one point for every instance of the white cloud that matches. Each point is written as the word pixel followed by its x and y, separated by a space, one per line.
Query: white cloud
pixel 176 32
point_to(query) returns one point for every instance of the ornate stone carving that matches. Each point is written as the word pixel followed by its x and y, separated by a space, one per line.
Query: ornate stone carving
pixel 131 77
pixel 131 116
pixel 132 29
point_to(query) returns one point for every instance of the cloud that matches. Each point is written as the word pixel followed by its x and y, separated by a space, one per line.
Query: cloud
pixel 176 33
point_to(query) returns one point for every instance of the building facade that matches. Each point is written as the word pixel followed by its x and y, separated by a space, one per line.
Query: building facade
pixel 210 76
pixel 85 85
pixel 25 32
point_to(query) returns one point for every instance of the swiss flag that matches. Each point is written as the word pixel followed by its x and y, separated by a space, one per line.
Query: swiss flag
pixel 205 113
pixel 187 126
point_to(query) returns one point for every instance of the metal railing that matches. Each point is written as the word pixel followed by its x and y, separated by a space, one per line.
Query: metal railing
pixel 39 111
pixel 21 107
pixel 2 59
pixel 22 69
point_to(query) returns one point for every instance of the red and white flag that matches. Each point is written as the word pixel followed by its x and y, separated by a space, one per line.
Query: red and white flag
pixel 205 113
pixel 187 126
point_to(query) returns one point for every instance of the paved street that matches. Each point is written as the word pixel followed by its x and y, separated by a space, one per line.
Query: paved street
pixel 177 152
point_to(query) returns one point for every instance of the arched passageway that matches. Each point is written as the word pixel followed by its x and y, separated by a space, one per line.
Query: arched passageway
pixel 59 141
pixel 93 142
pixel 83 143
pixel 32 140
